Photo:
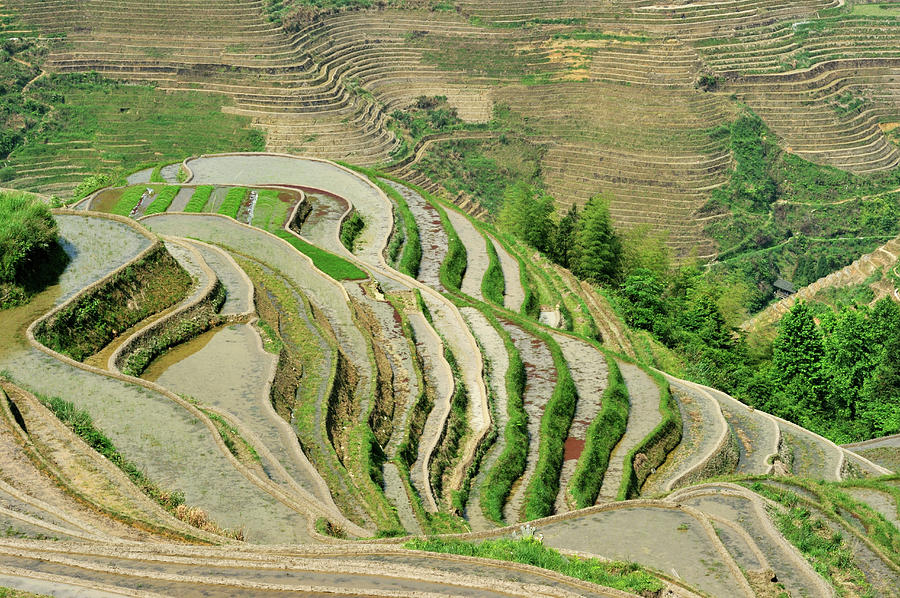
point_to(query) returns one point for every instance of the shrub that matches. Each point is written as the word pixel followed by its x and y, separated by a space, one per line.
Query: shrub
pixel 27 229
pixel 91 184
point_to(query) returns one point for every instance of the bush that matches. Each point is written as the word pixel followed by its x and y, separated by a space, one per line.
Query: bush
pixel 351 229
pixel 27 229
pixel 199 199
pixel 91 184
pixel 602 436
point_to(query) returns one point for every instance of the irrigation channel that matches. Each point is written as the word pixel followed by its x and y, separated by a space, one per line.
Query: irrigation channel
pixel 262 423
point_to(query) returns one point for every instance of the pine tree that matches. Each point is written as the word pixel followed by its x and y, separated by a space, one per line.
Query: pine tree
pixel 564 238
pixel 598 250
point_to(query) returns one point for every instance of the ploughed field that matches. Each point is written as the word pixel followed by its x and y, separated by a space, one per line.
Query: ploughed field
pixel 224 395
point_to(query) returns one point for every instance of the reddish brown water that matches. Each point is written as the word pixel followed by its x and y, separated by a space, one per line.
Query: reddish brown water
pixel 573 448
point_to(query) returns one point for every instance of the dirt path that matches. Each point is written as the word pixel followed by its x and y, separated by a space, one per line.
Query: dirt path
pixel 477 259
pixel 439 378
pixel 643 416
pixel 497 364
pixel 539 384
pixel 589 371
pixel 513 294
pixel 702 428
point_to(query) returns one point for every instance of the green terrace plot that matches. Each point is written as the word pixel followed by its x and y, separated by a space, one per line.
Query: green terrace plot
pixel 97 125
pixel 876 10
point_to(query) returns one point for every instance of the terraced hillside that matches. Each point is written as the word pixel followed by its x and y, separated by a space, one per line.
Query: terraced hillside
pixel 584 98
pixel 296 391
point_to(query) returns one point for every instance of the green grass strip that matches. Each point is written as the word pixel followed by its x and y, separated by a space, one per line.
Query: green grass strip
pixel 628 577
pixel 493 285
pixel 510 465
pixel 453 268
pixel 543 487
pixel 334 266
pixel 602 435
pixel 270 212
pixel 656 445
pixel 163 200
pixel 128 201
pixel 233 200
pixel 199 199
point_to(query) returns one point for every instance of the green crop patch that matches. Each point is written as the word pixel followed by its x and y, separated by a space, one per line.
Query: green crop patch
pixel 129 201
pixel 199 199
pixel 163 200
pixel 233 200
pixel 334 266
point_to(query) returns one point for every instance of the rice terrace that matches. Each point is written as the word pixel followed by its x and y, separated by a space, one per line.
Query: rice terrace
pixel 450 298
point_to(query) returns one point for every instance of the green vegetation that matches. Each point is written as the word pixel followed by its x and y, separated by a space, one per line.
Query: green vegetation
pixel 90 184
pixel 656 446
pixel 876 10
pixel 80 422
pixel 602 436
pixel 75 112
pixel 448 447
pixel 270 339
pixel 825 549
pixel 351 228
pixel 129 200
pixel 30 256
pixel 482 168
pixel 199 199
pixel 271 210
pixel 493 285
pixel 543 487
pixel 163 200
pixel 233 200
pixel 144 287
pixel 510 465
pixel 336 267
pixel 236 444
pixel 628 577
pixel 453 268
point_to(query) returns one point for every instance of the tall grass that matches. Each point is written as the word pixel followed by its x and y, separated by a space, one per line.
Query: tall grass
pixel 453 268
pixel 351 228
pixel 26 227
pixel 199 199
pixel 334 266
pixel 602 436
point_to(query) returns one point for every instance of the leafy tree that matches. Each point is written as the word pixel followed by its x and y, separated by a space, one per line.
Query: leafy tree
pixel 851 352
pixel 880 407
pixel 645 303
pixel 526 214
pixel 797 353
pixel 645 248
pixel 598 250
pixel 564 238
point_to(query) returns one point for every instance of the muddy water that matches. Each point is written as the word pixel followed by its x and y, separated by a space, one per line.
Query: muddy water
pixel 395 491
pixel 231 372
pixel 323 224
pixel 237 289
pixel 496 366
pixel 476 254
pixel 643 416
pixel 181 199
pixel 177 354
pixel 540 381
pixel 589 371
pixel 170 445
pixel 431 233
pixel 665 539
pixel 141 176
pixel 215 199
pixel 105 201
pixel 513 294
pixel 740 511
pixel 757 434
